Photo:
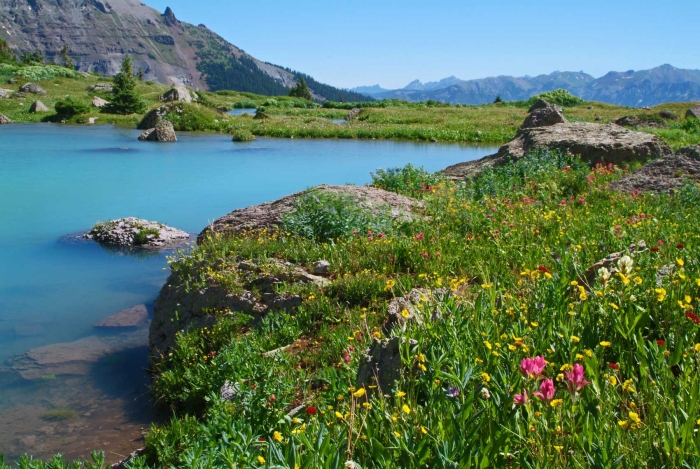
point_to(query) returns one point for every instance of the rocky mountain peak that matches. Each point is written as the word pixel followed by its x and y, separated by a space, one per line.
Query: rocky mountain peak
pixel 169 17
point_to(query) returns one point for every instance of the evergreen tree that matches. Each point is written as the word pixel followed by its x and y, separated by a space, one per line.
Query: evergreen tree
pixel 140 74
pixel 35 58
pixel 6 54
pixel 67 61
pixel 301 90
pixel 125 99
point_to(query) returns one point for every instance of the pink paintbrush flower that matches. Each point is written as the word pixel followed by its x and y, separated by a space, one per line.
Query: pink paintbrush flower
pixel 520 399
pixel 547 390
pixel 576 379
pixel 532 367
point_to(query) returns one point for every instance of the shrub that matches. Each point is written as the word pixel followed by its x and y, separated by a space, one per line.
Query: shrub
pixel 69 107
pixel 141 237
pixel 326 217
pixel 560 97
pixel 245 105
pixel 45 72
pixel 190 117
pixel 409 180
pixel 243 135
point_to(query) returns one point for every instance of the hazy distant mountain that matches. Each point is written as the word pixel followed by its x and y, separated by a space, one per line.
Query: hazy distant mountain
pixel 370 90
pixel 643 88
pixel 99 33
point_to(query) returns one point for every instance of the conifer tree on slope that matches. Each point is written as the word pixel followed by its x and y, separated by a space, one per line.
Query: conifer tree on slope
pixel 125 99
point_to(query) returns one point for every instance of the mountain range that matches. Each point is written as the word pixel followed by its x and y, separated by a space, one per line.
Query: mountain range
pixel 632 88
pixel 99 33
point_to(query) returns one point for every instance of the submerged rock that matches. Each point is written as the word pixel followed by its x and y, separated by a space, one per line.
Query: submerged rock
pixel 38 106
pixel 130 317
pixel 269 215
pixel 664 175
pixel 135 232
pixel 177 94
pixel 32 88
pixel 4 119
pixel 163 132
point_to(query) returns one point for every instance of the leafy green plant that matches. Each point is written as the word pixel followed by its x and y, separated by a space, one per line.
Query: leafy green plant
pixel 46 72
pixel 243 136
pixel 409 180
pixel 560 97
pixel 142 237
pixel 69 107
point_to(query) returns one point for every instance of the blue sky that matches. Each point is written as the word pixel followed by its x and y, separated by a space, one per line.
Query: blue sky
pixel 360 42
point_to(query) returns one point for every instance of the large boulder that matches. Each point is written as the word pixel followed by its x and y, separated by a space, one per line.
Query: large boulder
pixel 178 94
pixel 4 120
pixel 539 104
pixel 664 175
pixel 263 289
pixel 544 116
pixel 99 102
pixel 135 232
pixel 594 143
pixel 152 117
pixel 32 88
pixel 269 215
pixel 669 115
pixel 163 132
pixel 38 106
pixel 693 112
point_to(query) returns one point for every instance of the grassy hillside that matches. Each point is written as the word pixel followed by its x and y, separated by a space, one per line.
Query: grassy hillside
pixel 292 117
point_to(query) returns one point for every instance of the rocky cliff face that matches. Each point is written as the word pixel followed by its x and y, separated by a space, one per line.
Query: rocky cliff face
pixel 98 33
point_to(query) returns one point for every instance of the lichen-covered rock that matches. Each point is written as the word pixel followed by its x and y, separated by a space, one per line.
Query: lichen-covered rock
pixel 353 114
pixel 32 88
pixel 641 121
pixel 4 120
pixel 38 106
pixel 269 215
pixel 177 94
pixel 180 308
pixel 381 366
pixel 594 143
pixel 5 93
pixel 99 102
pixel 152 117
pixel 106 87
pixel 135 232
pixel 663 175
pixel 693 112
pixel 539 104
pixel 163 132
pixel 544 116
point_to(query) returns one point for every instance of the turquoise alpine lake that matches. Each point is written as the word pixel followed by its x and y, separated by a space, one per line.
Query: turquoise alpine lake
pixel 58 181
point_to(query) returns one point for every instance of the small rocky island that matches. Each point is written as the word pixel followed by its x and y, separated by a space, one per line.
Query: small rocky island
pixel 135 232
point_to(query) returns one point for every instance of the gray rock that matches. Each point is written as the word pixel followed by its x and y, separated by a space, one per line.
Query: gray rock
pixel 539 104
pixel 126 463
pixel 321 267
pixel 131 317
pixel 176 94
pixel 641 121
pixel 269 215
pixel 99 102
pixel 11 81
pixel 106 87
pixel 5 93
pixel 669 115
pixel 179 308
pixel 163 132
pixel 4 120
pixel 381 367
pixel 32 88
pixel 135 232
pixel 693 112
pixel 408 303
pixel 152 117
pixel 663 175
pixel 229 390
pixel 353 114
pixel 544 116
pixel 594 143
pixel 38 106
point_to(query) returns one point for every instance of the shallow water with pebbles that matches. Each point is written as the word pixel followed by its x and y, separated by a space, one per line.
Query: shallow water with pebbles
pixel 56 182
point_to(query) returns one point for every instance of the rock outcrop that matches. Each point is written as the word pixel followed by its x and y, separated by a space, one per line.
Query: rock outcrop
pixel 32 88
pixel 641 121
pixel 152 117
pixel 664 175
pixel 693 112
pixel 38 106
pixel 269 215
pixel 178 94
pixel 99 102
pixel 135 232
pixel 669 115
pixel 4 120
pixel 353 114
pixel 106 87
pixel 543 116
pixel 179 308
pixel 594 143
pixel 131 317
pixel 163 132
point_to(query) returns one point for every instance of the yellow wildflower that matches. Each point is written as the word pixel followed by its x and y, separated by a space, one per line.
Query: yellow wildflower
pixel 605 343
pixel 359 393
pixel 485 377
pixel 277 436
pixel 400 394
pixel 405 313
pixel 660 294
pixel 575 339
pixel 634 416
pixel 424 430
pixel 406 409
pixel 261 460
pixel 556 402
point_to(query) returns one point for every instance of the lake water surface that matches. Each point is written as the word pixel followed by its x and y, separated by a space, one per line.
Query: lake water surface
pixel 57 181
